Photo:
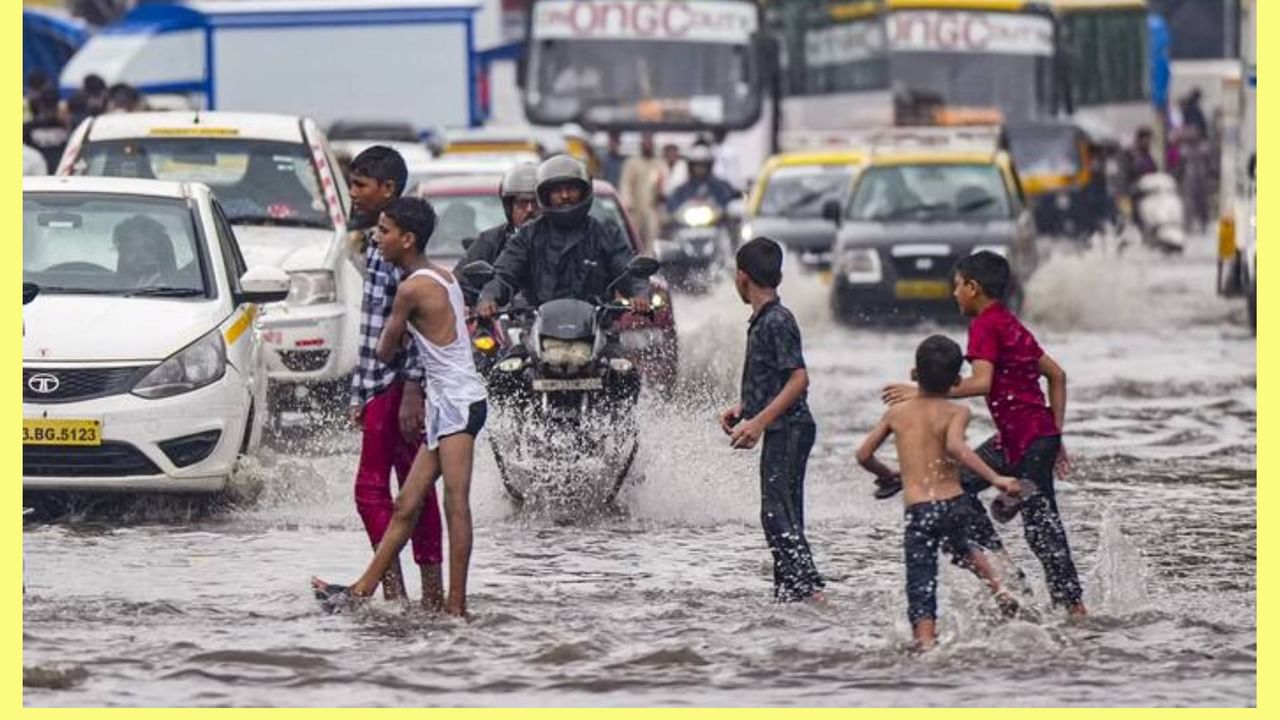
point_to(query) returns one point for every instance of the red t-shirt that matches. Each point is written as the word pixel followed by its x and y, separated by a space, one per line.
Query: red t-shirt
pixel 1016 403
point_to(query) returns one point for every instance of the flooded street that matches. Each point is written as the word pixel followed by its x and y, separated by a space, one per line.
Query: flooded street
pixel 669 604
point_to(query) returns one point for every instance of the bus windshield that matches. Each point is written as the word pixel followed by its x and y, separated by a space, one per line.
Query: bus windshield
pixel 623 63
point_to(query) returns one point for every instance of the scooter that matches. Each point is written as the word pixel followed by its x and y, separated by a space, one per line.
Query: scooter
pixel 568 398
pixel 1159 212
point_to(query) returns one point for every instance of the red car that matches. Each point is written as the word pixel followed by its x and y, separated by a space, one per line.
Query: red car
pixel 467 205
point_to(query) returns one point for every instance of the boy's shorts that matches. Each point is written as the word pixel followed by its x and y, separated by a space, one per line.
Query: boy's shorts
pixel 931 526
pixel 477 413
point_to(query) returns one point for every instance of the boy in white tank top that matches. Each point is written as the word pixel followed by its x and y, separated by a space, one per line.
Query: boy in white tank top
pixel 429 306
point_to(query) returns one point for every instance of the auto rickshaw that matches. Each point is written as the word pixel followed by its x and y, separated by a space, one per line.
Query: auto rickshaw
pixel 1060 177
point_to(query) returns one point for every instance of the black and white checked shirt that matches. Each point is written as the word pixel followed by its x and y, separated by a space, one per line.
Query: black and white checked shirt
pixel 371 375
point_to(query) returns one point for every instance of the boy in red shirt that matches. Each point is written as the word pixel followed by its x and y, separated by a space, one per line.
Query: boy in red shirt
pixel 1007 364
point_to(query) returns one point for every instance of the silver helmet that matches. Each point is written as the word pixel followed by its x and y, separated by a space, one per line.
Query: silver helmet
pixel 560 169
pixel 521 179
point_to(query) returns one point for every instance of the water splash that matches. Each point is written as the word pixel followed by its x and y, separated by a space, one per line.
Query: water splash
pixel 1117 585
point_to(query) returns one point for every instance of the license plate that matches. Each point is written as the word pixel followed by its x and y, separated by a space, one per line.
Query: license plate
pixel 61 432
pixel 824 277
pixel 923 289
pixel 554 385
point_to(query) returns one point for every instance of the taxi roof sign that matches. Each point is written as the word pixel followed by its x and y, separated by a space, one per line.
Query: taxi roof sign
pixel 194 132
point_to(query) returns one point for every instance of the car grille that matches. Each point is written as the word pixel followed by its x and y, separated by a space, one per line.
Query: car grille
pixel 80 383
pixel 304 360
pixel 110 459
pixel 924 266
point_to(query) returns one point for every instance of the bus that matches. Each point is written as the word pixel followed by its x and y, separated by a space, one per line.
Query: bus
pixel 670 65
pixel 876 63
pixel 1106 67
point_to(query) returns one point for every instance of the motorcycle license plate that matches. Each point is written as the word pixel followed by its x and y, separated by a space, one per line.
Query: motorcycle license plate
pixel 556 385
pixel 61 432
pixel 922 289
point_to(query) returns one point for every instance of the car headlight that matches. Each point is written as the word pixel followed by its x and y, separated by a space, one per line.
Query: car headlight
pixel 747 233
pixel 200 363
pixel 657 301
pixel 1001 250
pixel 1062 201
pixel 861 266
pixel 698 216
pixel 312 287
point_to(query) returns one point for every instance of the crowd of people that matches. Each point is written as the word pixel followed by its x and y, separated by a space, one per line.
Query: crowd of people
pixel 49 119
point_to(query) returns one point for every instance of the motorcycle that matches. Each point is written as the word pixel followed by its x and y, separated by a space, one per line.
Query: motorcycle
pixel 565 434
pixel 696 245
pixel 1158 208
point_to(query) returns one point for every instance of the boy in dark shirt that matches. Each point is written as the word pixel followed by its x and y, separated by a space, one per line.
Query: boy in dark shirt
pixel 1007 364
pixel 773 407
pixel 929 433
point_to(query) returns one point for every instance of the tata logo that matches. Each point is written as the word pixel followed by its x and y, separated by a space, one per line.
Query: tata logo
pixel 43 383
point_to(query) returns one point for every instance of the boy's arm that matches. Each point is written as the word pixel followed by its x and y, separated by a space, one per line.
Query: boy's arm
pixel 746 434
pixel 1057 389
pixel 866 454
pixel 977 384
pixel 960 450
pixel 392 337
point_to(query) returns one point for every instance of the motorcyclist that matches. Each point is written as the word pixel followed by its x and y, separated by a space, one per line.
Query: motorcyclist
pixel 519 203
pixel 702 181
pixel 564 253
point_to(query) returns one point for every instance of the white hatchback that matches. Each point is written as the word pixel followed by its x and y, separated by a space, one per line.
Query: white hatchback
pixel 142 369
pixel 276 179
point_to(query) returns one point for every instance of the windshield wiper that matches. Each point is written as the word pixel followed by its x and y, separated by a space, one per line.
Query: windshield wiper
pixel 45 289
pixel 977 204
pixel 801 201
pixel 164 291
pixel 911 209
pixel 283 222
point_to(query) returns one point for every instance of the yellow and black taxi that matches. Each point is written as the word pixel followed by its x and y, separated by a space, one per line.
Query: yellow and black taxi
pixel 926 198
pixel 790 202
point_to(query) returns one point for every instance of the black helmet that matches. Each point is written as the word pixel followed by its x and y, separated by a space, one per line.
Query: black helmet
pixel 561 169
pixel 521 179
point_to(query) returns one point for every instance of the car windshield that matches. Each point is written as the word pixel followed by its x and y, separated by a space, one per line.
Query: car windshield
pixel 258 182
pixel 1045 151
pixel 801 191
pixel 101 244
pixel 930 192
pixel 466 216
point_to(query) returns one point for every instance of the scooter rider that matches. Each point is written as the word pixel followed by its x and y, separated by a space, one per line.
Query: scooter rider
pixel 520 204
pixel 564 253
pixel 702 182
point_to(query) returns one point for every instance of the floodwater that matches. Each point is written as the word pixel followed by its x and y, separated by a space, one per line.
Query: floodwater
pixel 161 603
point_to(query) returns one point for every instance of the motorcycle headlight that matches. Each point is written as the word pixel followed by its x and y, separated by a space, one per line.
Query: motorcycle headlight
pixel 199 364
pixel 861 265
pixel 747 233
pixel 657 301
pixel 1001 250
pixel 698 216
pixel 566 353
pixel 312 287
pixel 511 365
pixel 484 344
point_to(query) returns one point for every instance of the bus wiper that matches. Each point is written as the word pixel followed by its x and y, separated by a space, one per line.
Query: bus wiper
pixel 282 222
pixel 164 291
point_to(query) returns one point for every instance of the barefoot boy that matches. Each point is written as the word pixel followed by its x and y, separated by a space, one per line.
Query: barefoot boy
pixel 429 305
pixel 1007 366
pixel 773 407
pixel 929 432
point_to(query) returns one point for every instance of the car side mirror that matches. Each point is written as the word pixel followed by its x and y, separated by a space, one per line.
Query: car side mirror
pixel 29 292
pixel 642 266
pixel 477 273
pixel 831 211
pixel 263 285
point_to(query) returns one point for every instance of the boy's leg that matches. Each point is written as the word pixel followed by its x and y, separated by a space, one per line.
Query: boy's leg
pixel 425 470
pixel 427 532
pixel 795 577
pixel 457 454
pixel 1043 526
pixel 380 430
pixel 920 552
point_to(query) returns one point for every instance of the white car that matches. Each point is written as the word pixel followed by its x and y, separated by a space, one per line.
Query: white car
pixel 279 185
pixel 141 366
